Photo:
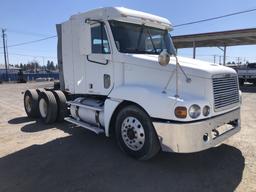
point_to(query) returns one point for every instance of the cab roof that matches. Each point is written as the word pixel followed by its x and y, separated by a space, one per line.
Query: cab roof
pixel 122 13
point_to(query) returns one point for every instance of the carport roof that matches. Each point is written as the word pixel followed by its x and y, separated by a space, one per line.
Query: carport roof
pixel 217 39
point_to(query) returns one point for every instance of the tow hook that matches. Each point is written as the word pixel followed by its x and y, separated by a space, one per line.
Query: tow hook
pixel 215 133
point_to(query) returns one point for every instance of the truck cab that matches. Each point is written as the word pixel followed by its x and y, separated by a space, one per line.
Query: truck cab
pixel 121 76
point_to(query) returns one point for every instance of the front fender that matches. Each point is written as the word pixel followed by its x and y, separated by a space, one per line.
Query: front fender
pixel 156 103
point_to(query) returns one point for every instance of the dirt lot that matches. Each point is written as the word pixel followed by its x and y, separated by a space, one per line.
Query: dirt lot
pixel 38 157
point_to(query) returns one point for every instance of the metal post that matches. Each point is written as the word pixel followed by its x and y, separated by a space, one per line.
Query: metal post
pixel 214 59
pixel 224 56
pixel 5 58
pixel 194 49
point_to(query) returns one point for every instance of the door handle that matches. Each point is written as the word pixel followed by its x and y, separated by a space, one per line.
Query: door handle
pixel 101 63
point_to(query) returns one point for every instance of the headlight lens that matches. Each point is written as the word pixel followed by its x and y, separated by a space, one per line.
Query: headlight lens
pixel 194 111
pixel 206 110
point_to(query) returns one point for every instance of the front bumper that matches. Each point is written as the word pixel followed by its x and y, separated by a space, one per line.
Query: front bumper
pixel 197 136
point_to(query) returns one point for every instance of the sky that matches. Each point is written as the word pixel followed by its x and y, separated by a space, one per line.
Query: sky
pixel 29 20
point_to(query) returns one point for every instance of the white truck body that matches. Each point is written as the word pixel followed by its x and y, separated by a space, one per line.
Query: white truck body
pixel 139 79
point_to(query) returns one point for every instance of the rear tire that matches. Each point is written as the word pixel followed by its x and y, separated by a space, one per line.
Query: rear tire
pixel 135 133
pixel 48 107
pixel 31 103
pixel 40 90
pixel 62 107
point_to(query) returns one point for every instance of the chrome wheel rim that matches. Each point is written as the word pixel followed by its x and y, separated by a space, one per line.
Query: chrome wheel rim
pixel 43 107
pixel 133 133
pixel 28 103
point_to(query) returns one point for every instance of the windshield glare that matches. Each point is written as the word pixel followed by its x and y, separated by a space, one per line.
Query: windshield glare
pixel 140 39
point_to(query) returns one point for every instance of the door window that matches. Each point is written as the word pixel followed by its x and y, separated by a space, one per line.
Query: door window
pixel 100 42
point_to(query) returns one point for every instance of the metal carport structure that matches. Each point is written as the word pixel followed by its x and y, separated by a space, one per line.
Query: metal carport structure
pixel 216 39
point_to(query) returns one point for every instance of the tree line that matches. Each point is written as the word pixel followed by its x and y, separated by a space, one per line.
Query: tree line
pixel 34 66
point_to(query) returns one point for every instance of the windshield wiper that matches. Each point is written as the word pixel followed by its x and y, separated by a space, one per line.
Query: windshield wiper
pixel 152 41
pixel 138 43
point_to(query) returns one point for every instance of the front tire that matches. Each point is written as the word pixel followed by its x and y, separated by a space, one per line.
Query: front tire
pixel 135 133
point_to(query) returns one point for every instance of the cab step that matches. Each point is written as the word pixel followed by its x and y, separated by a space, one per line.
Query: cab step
pixel 90 127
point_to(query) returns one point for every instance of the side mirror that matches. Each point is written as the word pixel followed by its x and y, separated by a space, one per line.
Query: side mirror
pixel 85 39
pixel 164 58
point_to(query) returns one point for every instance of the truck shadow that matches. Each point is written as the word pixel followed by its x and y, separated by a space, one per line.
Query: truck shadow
pixel 36 125
pixel 86 162
pixel 19 120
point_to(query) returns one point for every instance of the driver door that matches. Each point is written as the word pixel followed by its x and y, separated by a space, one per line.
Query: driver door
pixel 99 65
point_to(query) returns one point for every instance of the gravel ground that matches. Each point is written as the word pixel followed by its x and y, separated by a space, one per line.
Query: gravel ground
pixel 59 157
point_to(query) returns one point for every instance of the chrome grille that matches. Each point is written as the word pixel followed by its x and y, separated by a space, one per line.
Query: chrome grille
pixel 225 91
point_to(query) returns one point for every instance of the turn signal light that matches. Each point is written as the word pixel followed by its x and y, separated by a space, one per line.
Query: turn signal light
pixel 181 112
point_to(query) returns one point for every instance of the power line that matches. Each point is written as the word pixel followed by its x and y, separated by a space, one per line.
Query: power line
pixel 215 18
pixel 27 33
pixel 12 30
pixel 179 25
pixel 25 55
pixel 29 42
pixel 33 56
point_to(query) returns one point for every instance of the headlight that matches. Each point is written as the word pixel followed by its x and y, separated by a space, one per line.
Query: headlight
pixel 206 110
pixel 194 111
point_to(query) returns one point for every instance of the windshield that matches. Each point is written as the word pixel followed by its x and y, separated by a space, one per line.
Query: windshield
pixel 133 38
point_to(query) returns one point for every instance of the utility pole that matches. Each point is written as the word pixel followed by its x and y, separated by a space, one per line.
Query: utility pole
pixel 220 60
pixel 214 59
pixel 224 56
pixel 238 60
pixel 5 56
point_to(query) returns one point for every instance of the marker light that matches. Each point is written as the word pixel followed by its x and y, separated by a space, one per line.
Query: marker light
pixel 181 112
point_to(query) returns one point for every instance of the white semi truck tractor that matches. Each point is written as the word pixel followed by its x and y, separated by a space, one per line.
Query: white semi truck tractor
pixel 120 76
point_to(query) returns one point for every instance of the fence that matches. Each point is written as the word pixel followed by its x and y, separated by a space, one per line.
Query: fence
pixel 29 76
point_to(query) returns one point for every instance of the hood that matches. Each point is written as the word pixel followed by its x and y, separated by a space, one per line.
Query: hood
pixel 192 67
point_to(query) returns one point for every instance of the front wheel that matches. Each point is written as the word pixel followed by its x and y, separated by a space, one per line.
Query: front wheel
pixel 135 133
